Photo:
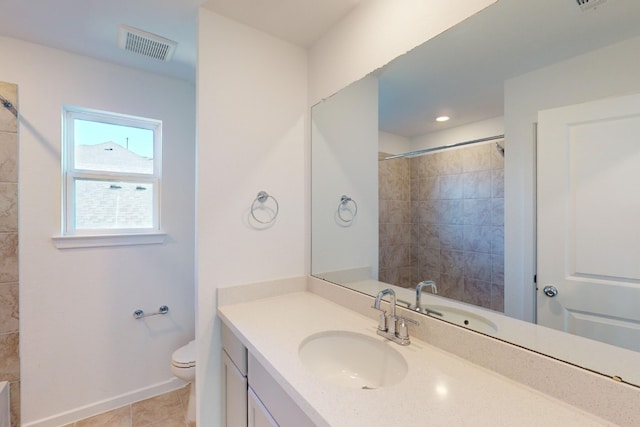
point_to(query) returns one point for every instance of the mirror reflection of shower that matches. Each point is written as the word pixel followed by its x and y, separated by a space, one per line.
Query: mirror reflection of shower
pixel 442 219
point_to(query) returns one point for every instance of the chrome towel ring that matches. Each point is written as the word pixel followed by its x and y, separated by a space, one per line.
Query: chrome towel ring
pixel 258 203
pixel 344 206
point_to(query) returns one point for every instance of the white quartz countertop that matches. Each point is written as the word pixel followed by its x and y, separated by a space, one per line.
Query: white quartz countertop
pixel 439 390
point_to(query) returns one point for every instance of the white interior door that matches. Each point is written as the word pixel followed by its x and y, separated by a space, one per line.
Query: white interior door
pixel 589 220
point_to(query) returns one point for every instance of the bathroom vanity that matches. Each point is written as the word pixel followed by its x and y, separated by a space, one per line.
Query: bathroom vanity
pixel 436 388
pixel 249 389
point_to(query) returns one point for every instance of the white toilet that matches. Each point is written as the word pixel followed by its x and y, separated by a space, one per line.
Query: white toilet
pixel 183 366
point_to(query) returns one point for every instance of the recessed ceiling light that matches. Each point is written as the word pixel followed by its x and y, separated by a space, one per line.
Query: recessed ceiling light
pixel 442 119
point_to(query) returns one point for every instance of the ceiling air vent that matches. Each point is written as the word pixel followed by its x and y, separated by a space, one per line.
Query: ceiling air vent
pixel 589 4
pixel 146 44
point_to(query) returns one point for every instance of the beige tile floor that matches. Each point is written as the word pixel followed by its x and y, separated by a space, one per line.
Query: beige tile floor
pixel 166 410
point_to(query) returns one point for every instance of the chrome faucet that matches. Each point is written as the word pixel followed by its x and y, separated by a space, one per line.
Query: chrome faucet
pixel 392 327
pixel 426 284
pixel 434 289
pixel 386 325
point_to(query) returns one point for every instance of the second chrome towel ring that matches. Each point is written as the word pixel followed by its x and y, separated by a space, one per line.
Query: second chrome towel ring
pixel 345 206
pixel 258 203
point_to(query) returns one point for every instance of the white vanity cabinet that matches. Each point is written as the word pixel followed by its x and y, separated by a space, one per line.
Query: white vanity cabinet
pixel 251 396
pixel 279 406
pixel 258 414
pixel 234 380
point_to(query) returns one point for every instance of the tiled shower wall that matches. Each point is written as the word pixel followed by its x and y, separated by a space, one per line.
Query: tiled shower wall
pixel 9 335
pixel 395 231
pixel 442 219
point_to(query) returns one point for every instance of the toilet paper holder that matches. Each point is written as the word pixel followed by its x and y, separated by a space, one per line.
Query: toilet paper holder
pixel 139 314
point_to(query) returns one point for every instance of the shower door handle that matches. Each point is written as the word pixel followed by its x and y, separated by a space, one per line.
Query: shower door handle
pixel 550 291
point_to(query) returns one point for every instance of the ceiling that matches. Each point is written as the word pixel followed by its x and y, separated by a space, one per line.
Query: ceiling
pixel 90 27
pixel 301 22
pixel 461 72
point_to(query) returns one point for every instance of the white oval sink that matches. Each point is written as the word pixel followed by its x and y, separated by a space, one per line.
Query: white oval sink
pixel 464 318
pixel 353 360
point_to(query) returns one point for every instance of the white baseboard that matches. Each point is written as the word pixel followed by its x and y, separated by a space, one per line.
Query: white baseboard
pixel 107 404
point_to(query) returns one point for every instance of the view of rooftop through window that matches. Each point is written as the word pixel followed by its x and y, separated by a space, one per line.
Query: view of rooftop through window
pixel 95 147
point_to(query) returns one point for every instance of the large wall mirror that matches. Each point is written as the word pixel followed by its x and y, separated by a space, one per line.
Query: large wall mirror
pixel 518 216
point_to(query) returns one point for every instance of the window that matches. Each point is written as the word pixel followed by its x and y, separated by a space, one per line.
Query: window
pixel 111 166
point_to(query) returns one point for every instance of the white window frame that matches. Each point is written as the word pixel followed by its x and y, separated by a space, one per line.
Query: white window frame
pixel 70 235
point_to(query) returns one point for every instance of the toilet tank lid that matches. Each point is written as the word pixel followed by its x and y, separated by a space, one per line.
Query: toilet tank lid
pixel 185 354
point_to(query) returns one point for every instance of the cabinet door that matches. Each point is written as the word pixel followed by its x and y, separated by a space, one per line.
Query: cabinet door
pixel 234 394
pixel 257 413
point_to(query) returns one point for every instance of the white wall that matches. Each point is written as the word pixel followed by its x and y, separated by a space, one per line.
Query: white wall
pixel 469 132
pixel 253 134
pixel 252 127
pixel 376 32
pixel 79 344
pixel 393 144
pixel 611 71
pixel 396 144
pixel 343 129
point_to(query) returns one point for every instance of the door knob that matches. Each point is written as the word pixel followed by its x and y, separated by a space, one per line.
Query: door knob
pixel 550 291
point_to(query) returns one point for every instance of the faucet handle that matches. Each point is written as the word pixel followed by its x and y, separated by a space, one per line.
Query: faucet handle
pixel 403 332
pixel 415 322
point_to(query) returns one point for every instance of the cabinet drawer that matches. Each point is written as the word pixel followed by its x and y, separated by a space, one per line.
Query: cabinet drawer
pixel 235 349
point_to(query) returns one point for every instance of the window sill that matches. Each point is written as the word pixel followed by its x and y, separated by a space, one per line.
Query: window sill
pixel 104 240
